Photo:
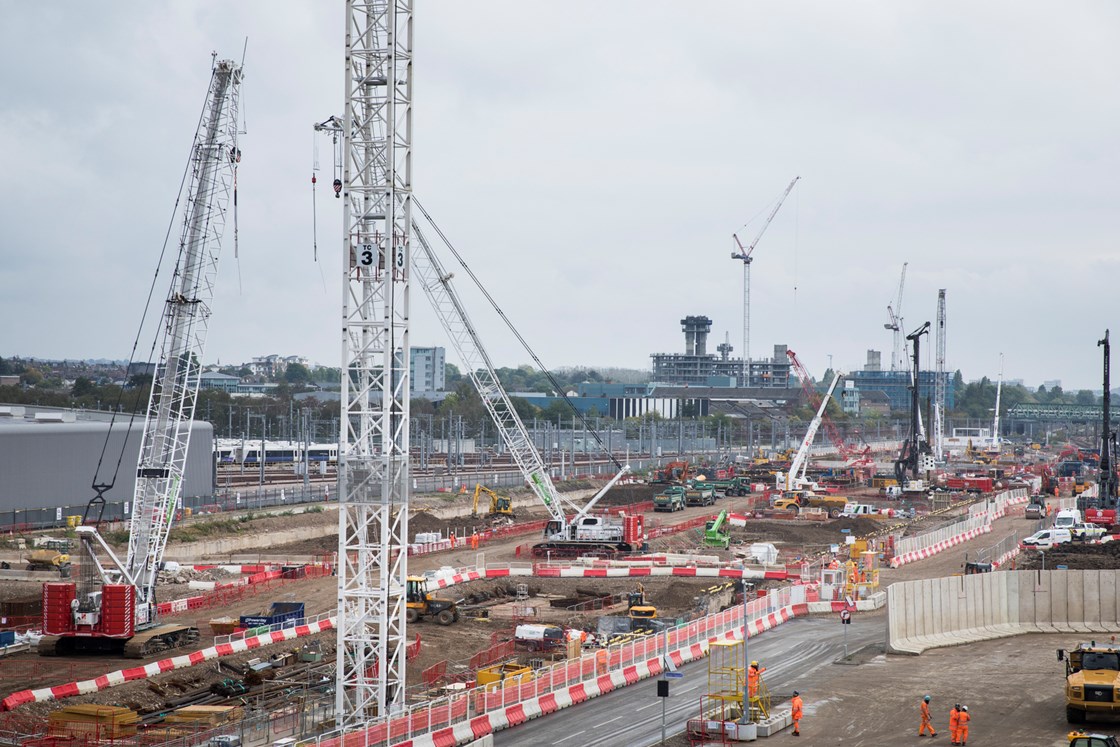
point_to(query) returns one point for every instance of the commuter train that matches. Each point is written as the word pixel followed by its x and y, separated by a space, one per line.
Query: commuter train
pixel 232 451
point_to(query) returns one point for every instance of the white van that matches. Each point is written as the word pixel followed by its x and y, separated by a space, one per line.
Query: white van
pixel 1047 538
pixel 1067 519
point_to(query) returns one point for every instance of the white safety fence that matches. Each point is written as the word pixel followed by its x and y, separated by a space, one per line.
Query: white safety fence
pixel 439 721
pixel 978 521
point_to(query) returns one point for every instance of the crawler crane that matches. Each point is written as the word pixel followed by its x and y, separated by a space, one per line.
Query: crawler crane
pixel 112 607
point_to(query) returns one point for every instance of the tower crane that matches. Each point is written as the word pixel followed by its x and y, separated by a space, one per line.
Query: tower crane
pixel 746 255
pixel 379 259
pixel 898 357
pixel 373 466
pixel 113 605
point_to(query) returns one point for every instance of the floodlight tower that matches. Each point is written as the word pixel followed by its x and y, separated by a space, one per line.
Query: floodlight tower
pixel 373 437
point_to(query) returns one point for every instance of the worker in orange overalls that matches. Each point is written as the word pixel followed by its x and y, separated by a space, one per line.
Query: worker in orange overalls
pixel 754 674
pixel 795 713
pixel 954 724
pixel 926 723
pixel 962 731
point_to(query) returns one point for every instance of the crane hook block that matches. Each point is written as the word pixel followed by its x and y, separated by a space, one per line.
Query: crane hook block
pixel 338 188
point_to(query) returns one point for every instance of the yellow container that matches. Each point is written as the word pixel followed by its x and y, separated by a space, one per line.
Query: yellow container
pixel 74 521
pixel 504 675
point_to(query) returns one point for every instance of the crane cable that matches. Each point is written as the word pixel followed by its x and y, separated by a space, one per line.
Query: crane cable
pixel 102 487
pixel 552 379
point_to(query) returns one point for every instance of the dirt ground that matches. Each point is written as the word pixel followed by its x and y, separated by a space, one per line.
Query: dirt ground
pixel 673 597
pixel 1074 556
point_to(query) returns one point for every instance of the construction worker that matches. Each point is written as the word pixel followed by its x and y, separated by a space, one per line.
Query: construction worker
pixel 926 725
pixel 796 705
pixel 954 724
pixel 962 731
pixel 754 675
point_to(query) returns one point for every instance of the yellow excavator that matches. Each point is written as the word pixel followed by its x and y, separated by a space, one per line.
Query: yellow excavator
pixel 500 505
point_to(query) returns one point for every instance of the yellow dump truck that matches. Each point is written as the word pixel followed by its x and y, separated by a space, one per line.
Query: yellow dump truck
pixel 1092 680
pixel 795 500
pixel 49 560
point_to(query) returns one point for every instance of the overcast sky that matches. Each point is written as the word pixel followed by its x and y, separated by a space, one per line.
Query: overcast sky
pixel 591 161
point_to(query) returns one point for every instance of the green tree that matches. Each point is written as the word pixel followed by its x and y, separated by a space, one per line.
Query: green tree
pixel 31 376
pixel 452 377
pixel 1085 397
pixel 296 373
pixel 83 387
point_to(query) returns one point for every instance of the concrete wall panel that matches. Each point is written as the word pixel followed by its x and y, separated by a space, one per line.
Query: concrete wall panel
pixel 940 612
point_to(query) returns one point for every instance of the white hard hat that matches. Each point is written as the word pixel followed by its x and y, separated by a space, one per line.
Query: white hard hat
pixel 964 708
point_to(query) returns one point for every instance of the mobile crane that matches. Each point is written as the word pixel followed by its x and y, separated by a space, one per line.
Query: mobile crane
pixel 112 607
pixel 791 480
pixel 572 530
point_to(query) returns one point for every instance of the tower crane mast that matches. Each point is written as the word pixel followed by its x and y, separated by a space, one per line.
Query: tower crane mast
pixel 373 469
pixel 895 325
pixel 122 611
pixel 746 255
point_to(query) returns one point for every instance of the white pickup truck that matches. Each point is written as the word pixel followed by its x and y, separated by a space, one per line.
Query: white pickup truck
pixel 1085 532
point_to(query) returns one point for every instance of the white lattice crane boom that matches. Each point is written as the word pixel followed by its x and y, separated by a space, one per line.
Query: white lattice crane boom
pixel 895 325
pixel 167 427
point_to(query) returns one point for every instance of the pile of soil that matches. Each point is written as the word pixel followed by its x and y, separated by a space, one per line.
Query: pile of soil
pixel 1073 556
pixel 805 533
pixel 422 522
pixel 624 495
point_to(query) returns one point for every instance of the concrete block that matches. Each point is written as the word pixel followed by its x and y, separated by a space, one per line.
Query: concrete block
pixel 778 720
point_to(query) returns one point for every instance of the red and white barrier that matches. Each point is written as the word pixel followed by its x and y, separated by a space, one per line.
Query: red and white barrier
pixel 979 521
pixel 470 729
pixel 121 676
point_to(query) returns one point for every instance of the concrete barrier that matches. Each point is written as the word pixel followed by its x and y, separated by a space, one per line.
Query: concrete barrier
pixel 938 612
pixel 978 521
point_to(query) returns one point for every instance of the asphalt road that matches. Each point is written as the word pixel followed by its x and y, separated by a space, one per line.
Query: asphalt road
pixel 631 716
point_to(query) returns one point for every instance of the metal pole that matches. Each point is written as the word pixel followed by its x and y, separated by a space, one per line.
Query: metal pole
pixel 663 706
pixel 664 645
pixel 746 661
